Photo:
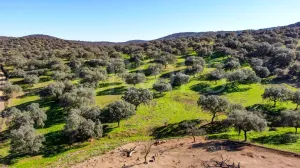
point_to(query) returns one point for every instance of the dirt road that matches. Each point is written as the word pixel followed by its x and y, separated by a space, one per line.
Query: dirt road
pixel 2 82
pixel 2 100
pixel 183 153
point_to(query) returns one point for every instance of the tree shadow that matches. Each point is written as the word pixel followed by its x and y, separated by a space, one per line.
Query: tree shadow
pixel 214 146
pixel 44 79
pixel 200 88
pixel 158 95
pixel 169 74
pixel 204 88
pixel 217 127
pixel 218 136
pixel 101 85
pixel 106 130
pixel 57 143
pixel 286 138
pixel 113 91
pixel 138 71
pixel 173 130
pixel 55 114
pixel 4 135
pixel 271 114
pixel 230 88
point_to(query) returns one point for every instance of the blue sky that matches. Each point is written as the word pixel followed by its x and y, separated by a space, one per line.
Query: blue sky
pixel 122 20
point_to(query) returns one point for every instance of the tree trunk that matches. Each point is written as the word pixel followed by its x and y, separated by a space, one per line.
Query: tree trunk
pixel 274 103
pixel 216 82
pixel 245 135
pixel 213 118
pixel 118 123
pixel 146 159
pixel 194 138
pixel 296 130
pixel 239 131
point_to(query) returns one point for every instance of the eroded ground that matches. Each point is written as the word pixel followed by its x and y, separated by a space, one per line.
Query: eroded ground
pixel 184 153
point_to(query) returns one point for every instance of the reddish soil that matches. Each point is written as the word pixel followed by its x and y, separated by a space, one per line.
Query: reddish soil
pixel 183 153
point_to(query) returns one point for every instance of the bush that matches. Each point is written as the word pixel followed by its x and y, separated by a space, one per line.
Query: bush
pixel 117 111
pixel 137 96
pixel 37 114
pixel 78 97
pixel 31 79
pixel 11 91
pixel 162 86
pixel 78 128
pixel 179 79
pixel 135 78
pixel 24 140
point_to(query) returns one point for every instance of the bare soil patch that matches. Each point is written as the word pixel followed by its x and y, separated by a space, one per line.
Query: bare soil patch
pixel 183 153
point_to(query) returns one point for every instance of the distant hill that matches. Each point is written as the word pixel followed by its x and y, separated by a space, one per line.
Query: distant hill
pixel 5 38
pixel 193 34
pixel 40 36
pixel 199 34
pixel 168 37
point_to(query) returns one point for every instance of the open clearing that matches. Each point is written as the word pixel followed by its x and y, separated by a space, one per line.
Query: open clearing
pixel 184 153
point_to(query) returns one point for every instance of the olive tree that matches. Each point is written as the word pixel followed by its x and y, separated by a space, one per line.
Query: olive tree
pixel 92 75
pixel 117 111
pixel 192 129
pixel 56 89
pixel 231 65
pixel 179 79
pixel 135 78
pixel 213 104
pixel 137 96
pixel 11 91
pixel 116 66
pixel 78 97
pixel 25 140
pixel 192 60
pixel 31 79
pixel 246 121
pixel 37 114
pixel 216 75
pixel 276 94
pixel 162 86
pixel 154 69
pixel 244 76
pixel 166 59
pixel 92 113
pixel 262 72
pixel 195 69
pixel 61 76
pixel 21 118
pixel 79 128
pixel 296 99
pixel 291 119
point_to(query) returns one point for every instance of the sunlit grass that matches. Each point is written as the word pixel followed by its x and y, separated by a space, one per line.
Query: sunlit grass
pixel 178 105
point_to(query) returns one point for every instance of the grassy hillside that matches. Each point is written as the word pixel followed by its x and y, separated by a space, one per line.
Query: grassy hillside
pixel 163 114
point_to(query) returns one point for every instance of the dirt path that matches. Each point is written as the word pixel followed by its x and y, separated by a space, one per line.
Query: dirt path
pixel 182 153
pixel 2 100
pixel 2 82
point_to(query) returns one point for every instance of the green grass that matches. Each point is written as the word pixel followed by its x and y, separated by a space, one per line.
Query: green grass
pixel 172 108
pixel 266 138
